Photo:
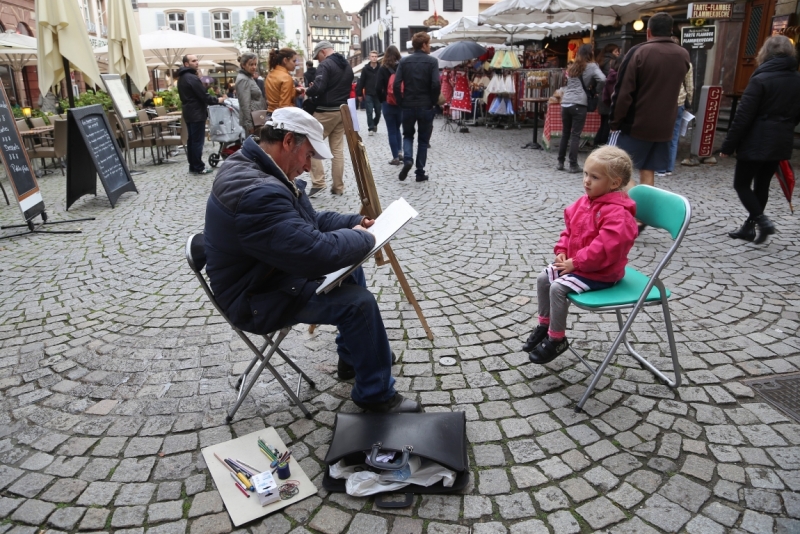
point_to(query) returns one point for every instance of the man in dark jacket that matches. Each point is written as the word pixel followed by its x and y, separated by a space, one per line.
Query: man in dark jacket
pixel 311 72
pixel 416 89
pixel 330 89
pixel 267 251
pixel 194 104
pixel 367 89
pixel 645 101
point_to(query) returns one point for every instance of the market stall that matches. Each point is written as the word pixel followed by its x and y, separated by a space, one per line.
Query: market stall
pixel 553 126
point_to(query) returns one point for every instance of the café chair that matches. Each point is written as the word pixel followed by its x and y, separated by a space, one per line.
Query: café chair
pixel 38 122
pixel 657 209
pixel 135 137
pixel 161 111
pixel 196 257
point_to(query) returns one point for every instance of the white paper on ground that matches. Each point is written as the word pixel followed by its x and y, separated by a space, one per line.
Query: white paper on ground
pixel 386 225
pixel 240 508
pixel 686 118
pixel 351 103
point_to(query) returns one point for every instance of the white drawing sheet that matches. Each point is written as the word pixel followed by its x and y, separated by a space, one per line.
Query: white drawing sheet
pixel 386 226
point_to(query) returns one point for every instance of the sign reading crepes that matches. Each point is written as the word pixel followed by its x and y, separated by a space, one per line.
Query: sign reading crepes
pixel 709 11
pixel 707 117
pixel 702 37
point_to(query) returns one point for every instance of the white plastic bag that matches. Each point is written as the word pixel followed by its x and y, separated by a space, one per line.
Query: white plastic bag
pixel 363 483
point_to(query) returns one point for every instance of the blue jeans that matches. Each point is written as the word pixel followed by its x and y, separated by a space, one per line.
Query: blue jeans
pixel 394 117
pixel 372 105
pixel 673 145
pixel 362 341
pixel 194 146
pixel 423 118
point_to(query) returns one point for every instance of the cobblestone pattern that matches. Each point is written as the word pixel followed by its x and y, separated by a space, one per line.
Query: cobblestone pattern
pixel 115 371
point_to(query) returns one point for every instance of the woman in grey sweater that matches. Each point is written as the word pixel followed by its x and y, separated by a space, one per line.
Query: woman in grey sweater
pixel 574 104
pixel 250 97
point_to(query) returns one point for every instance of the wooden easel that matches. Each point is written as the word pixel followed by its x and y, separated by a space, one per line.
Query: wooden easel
pixel 371 207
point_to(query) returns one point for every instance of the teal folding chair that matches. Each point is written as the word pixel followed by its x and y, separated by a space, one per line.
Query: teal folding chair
pixel 658 209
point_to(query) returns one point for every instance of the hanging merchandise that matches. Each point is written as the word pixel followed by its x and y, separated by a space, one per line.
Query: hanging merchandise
pixel 462 100
pixel 510 61
pixel 572 49
pixel 446 84
pixel 497 61
pixel 508 84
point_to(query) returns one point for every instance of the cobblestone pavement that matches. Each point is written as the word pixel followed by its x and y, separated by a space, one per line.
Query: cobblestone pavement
pixel 115 371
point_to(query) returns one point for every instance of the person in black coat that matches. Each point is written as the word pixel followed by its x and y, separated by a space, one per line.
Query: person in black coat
pixel 194 106
pixel 762 132
pixel 310 74
pixel 366 90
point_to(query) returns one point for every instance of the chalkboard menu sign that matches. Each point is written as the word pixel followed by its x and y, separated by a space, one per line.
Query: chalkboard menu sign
pixel 92 150
pixel 18 165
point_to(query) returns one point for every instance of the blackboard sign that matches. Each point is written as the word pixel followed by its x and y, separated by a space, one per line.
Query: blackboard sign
pixel 92 150
pixel 18 165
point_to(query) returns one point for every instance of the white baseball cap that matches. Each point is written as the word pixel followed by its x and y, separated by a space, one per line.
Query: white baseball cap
pixel 296 120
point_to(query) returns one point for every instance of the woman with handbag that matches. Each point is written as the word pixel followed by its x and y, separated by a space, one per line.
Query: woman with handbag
pixel 250 98
pixel 579 98
pixel 280 88
pixel 392 113
pixel 762 132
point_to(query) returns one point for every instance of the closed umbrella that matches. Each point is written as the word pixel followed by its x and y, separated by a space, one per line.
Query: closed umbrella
pixel 125 54
pixel 785 176
pixel 462 51
pixel 63 40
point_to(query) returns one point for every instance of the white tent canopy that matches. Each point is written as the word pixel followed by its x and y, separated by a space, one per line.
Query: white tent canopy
pixel 468 29
pixel 17 50
pixel 600 12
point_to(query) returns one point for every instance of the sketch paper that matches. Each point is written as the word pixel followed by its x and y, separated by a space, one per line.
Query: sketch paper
pixel 386 226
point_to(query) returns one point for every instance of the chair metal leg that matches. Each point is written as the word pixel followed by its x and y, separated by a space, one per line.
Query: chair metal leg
pixel 294 366
pixel 584 362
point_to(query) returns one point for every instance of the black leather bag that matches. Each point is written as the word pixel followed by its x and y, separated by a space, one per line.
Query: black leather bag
pixel 310 105
pixel 440 437
pixel 592 98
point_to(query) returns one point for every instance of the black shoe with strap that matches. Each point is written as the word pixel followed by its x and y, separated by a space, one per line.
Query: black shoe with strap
pixel 548 350
pixel 536 337
pixel 746 232
pixel 765 229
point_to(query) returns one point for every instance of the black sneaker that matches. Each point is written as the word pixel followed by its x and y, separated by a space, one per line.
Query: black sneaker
pixel 422 177
pixel 574 169
pixel 404 171
pixel 397 404
pixel 560 166
pixel 548 350
pixel 536 337
pixel 345 371
pixel 314 191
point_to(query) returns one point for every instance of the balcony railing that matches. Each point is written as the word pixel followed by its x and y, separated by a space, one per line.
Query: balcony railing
pixel 91 27
pixel 104 30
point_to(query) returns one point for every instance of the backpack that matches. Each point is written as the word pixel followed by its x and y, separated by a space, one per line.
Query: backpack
pixel 390 98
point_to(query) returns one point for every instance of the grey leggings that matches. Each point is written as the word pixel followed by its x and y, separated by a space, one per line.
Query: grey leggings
pixel 553 302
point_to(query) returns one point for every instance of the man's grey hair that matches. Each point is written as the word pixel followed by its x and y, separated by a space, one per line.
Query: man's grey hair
pixel 775 46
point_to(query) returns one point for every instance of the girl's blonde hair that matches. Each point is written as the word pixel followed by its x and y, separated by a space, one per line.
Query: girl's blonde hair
pixel 617 162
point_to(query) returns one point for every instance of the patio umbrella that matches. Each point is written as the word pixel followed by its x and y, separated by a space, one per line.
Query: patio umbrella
pixel 63 40
pixel 444 64
pixel 17 51
pixel 467 28
pixel 462 51
pixel 601 12
pixel 125 54
pixel 785 176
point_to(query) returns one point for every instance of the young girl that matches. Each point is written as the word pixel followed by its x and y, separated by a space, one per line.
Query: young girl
pixel 592 251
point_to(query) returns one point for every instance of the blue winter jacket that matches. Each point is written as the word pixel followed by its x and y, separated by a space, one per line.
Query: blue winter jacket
pixel 266 248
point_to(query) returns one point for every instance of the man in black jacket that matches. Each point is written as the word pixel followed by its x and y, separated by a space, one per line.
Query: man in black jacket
pixel 417 88
pixel 310 73
pixel 330 89
pixel 194 103
pixel 367 89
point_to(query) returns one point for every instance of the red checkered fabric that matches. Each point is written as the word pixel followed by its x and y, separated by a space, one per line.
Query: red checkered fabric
pixel 553 126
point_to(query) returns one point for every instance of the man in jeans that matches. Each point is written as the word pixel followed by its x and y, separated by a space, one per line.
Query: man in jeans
pixel 367 89
pixel 194 104
pixel 416 89
pixel 330 89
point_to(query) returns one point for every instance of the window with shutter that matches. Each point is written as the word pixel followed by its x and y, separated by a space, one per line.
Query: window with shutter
pixel 281 24
pixel 160 20
pixel 207 24
pixel 458 5
pixel 413 5
pixel 404 38
pixel 176 21
pixel 190 23
pixel 447 5
pixel 423 5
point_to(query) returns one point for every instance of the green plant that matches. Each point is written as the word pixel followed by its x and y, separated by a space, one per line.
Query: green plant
pixel 259 28
pixel 171 98
pixel 90 98
pixel 34 113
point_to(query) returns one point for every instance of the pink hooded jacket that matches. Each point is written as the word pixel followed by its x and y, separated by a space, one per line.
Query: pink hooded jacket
pixel 599 235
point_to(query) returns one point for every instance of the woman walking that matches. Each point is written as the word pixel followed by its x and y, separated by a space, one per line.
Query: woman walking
pixel 583 72
pixel 250 98
pixel 280 87
pixel 762 132
pixel 392 113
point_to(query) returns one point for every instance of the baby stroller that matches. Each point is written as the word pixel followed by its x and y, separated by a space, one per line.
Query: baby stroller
pixel 223 128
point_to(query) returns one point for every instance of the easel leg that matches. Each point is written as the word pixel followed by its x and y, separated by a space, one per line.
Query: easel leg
pixel 398 271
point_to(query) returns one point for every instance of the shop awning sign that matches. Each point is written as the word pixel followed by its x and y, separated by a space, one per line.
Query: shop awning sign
pixel 709 11
pixel 699 37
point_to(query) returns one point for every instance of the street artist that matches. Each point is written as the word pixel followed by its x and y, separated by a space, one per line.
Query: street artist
pixel 268 250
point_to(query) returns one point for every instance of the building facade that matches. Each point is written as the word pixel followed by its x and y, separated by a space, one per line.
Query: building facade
pixel 327 22
pixel 355 38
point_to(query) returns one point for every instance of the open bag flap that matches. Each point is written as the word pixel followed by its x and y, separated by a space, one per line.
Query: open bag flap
pixel 440 437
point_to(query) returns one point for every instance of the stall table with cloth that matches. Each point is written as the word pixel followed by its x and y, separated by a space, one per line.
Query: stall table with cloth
pixel 553 127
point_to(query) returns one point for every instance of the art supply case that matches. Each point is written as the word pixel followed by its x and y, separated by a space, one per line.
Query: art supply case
pixel 439 437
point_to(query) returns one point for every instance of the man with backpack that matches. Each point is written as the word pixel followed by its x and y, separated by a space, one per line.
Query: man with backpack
pixel 392 113
pixel 416 88
pixel 329 90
